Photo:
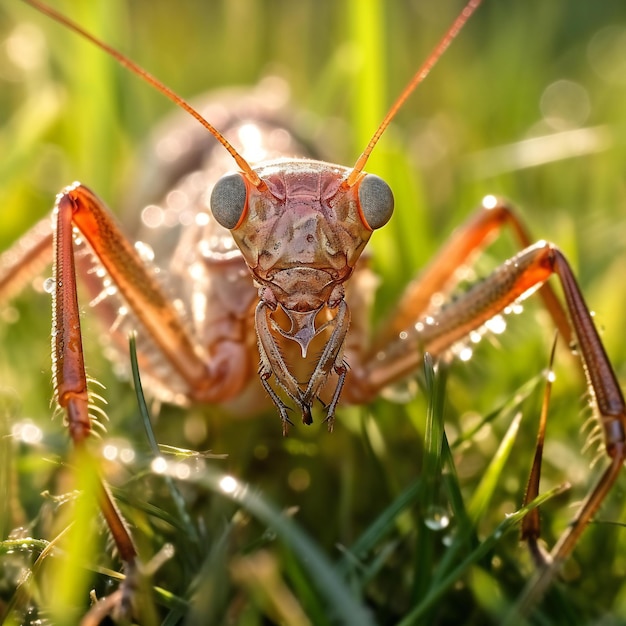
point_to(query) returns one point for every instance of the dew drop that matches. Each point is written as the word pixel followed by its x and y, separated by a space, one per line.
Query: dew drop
pixel 449 538
pixel 48 285
pixel 127 455
pixel 27 432
pixel 228 484
pixel 475 336
pixel 496 324
pixel 159 465
pixel 437 518
pixel 466 354
pixel 110 452
pixel 145 251
pixel 490 202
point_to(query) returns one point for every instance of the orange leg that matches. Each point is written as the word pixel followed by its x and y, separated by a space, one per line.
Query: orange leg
pixel 208 376
pixel 514 280
pixel 70 381
pixel 393 355
pixel 78 208
pixel 441 275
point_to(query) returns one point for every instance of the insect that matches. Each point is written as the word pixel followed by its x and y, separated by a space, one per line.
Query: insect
pixel 301 397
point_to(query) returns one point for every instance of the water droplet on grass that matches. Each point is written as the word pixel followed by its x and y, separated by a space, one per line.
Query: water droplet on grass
pixel 437 518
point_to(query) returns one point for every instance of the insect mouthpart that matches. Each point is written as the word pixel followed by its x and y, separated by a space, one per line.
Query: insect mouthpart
pixel 302 328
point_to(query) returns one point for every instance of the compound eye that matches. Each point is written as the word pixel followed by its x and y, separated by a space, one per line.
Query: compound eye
pixel 376 201
pixel 228 200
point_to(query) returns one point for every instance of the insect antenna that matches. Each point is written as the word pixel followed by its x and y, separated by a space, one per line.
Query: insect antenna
pixel 418 77
pixel 250 174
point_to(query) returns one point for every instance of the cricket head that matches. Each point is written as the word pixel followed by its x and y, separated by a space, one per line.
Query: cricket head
pixel 303 233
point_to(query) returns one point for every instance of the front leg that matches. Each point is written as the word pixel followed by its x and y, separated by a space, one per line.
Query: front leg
pixel 79 209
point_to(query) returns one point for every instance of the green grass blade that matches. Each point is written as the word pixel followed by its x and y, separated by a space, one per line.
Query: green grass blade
pixel 492 476
pixel 342 607
pixel 481 551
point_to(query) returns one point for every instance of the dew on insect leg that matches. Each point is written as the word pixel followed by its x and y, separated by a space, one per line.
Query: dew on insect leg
pixel 517 308
pixel 466 354
pixel 496 325
pixel 464 273
pixel 109 452
pixel 461 351
pixel 98 270
pixel 437 300
pixel 48 285
pixel 475 337
pixel 146 253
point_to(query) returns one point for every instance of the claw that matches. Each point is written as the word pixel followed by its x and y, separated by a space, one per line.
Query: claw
pixel 307 418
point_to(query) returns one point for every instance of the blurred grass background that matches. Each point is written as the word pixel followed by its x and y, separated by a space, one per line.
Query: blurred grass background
pixel 519 70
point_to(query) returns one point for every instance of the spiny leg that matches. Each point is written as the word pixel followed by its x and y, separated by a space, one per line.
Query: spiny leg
pixel 70 381
pixel 608 402
pixel 79 208
pixel 442 273
pixel 511 282
pixel 212 373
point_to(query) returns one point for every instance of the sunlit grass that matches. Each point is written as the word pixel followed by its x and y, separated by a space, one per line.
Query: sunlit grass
pixel 329 525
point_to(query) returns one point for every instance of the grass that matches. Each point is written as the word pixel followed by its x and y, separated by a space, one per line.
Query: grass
pixel 348 527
